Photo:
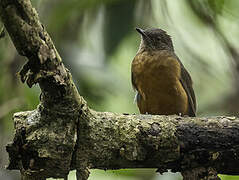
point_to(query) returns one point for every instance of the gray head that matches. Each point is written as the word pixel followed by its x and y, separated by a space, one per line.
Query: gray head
pixel 155 39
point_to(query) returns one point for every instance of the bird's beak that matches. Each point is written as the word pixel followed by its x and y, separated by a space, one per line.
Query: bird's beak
pixel 141 31
pixel 146 40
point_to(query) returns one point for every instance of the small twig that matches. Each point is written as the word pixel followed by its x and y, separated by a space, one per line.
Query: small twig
pixel 2 32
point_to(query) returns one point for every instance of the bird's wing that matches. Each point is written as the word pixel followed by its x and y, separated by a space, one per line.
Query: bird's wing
pixel 186 82
pixel 137 95
pixel 132 80
pixel 135 60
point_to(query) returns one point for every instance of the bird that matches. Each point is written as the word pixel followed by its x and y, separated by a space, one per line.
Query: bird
pixel 163 86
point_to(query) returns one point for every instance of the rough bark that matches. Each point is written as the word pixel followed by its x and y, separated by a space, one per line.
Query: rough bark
pixel 62 133
pixel 113 141
pixel 60 102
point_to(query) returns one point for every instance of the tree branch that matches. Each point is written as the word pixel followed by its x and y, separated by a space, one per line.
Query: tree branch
pixel 60 102
pixel 64 134
pixel 114 141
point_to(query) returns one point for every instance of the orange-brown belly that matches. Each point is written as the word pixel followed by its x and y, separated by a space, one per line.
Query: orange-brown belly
pixel 158 83
pixel 164 99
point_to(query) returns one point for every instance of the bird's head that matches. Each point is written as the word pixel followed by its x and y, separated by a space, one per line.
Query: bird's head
pixel 155 39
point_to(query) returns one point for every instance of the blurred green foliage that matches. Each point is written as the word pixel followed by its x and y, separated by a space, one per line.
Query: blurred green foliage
pixel 97 41
pixel 226 177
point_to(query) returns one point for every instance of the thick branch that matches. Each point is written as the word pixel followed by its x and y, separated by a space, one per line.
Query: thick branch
pixel 112 141
pixel 60 104
pixel 44 64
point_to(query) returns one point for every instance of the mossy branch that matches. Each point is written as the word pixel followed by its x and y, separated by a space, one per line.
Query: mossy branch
pixel 64 134
pixel 114 141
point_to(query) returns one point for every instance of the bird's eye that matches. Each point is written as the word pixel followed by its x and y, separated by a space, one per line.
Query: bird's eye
pixel 158 38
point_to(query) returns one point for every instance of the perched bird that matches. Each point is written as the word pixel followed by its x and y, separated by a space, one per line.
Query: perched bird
pixel 162 83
